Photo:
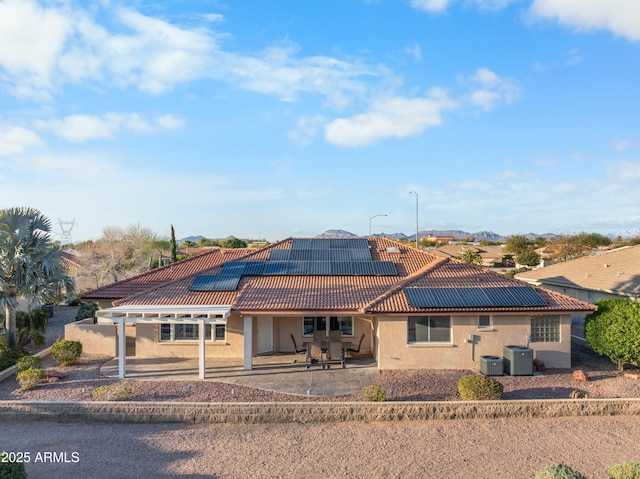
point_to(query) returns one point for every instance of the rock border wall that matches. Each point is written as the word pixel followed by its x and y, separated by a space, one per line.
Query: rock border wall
pixel 259 413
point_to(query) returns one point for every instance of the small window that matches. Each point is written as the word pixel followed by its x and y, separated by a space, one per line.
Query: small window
pixel 484 321
pixel 190 332
pixel 545 329
pixel 429 329
pixel 165 332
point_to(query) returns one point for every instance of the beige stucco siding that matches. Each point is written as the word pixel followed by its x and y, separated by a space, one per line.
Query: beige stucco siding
pixel 95 338
pixel 148 343
pixel 395 353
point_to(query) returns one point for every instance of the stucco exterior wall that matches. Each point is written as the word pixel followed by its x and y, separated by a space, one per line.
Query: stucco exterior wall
pixel 395 353
pixel 148 343
pixel 287 325
pixel 95 338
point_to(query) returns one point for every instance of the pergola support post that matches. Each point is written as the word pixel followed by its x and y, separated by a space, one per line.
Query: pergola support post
pixel 248 343
pixel 122 349
pixel 201 349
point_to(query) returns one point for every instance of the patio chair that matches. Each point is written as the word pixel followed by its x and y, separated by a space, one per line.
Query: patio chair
pixel 319 335
pixel 335 335
pixel 295 346
pixel 335 352
pixel 354 350
pixel 314 353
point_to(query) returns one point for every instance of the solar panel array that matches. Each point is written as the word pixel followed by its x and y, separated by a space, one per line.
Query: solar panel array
pixel 314 256
pixel 510 296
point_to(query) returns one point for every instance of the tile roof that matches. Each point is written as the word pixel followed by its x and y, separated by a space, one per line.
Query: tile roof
pixel 186 267
pixel 353 294
pixel 616 271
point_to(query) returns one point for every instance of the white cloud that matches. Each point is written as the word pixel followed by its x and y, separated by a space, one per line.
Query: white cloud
pixel 431 5
pixel 441 5
pixel 306 129
pixel 393 117
pixel 488 89
pixel 621 144
pixel 621 17
pixel 16 140
pixel 80 128
pixel 623 172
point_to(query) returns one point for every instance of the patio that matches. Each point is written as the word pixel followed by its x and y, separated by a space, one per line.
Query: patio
pixel 284 373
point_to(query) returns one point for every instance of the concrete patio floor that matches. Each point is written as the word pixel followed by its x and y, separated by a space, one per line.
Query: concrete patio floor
pixel 284 373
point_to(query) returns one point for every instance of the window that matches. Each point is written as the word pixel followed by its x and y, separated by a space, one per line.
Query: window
pixel 484 321
pixel 429 329
pixel 189 332
pixel 545 329
pixel 320 323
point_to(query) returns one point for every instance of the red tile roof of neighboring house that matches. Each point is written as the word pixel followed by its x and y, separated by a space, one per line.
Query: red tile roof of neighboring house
pixel 353 294
pixel 162 275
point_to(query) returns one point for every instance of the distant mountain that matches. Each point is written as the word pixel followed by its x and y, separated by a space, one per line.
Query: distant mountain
pixel 193 239
pixel 336 234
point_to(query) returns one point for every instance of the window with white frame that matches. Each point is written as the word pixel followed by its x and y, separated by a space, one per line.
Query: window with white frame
pixel 429 329
pixel 344 324
pixel 484 321
pixel 189 332
pixel 545 329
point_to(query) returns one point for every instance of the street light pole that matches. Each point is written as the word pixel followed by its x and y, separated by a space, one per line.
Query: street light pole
pixel 374 216
pixel 416 216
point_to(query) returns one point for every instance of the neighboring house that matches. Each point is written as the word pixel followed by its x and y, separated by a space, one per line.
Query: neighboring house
pixel 414 309
pixel 438 239
pixel 106 295
pixel 608 274
pixel 492 256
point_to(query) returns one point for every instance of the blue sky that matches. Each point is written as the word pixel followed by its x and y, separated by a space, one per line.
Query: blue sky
pixel 287 118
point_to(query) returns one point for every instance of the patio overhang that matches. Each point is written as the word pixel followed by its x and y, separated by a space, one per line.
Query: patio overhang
pixel 140 314
pixel 215 314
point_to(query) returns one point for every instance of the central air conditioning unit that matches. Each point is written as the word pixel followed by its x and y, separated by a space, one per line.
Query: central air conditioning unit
pixel 491 365
pixel 518 360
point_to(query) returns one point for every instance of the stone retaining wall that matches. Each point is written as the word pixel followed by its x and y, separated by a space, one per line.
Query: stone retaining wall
pixel 255 413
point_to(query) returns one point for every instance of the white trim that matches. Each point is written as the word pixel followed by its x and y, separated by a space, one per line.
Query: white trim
pixel 248 342
pixel 215 314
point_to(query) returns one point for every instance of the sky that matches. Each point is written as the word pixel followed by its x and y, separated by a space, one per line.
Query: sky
pixel 288 118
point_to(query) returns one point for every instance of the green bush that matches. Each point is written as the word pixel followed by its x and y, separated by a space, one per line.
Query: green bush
pixel 476 387
pixel 75 302
pixel 626 470
pixel 8 355
pixel 32 326
pixel 12 470
pixel 27 362
pixel 120 391
pixel 374 393
pixel 558 471
pixel 86 310
pixel 65 352
pixel 30 378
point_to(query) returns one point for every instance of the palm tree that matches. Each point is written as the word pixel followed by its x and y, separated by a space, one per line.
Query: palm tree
pixel 471 256
pixel 30 264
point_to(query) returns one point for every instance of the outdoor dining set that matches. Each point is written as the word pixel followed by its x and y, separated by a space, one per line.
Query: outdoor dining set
pixel 325 350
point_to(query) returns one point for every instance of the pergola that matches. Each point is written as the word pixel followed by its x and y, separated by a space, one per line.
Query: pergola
pixel 200 315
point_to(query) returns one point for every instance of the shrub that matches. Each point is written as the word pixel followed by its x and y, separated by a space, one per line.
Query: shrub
pixel 8 355
pixel 12 470
pixel 374 393
pixel 120 391
pixel 626 470
pixel 32 326
pixel 75 302
pixel 27 362
pixel 558 471
pixel 65 352
pixel 30 378
pixel 86 310
pixel 476 387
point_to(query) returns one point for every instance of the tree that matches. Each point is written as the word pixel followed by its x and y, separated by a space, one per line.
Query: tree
pixel 614 329
pixel 30 265
pixel 234 243
pixel 523 250
pixel 528 258
pixel 471 256
pixel 174 246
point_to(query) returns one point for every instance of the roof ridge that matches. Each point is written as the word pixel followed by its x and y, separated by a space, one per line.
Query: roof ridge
pixel 438 261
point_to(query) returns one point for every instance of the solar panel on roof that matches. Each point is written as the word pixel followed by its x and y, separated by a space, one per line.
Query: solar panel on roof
pixel 300 255
pixel 511 296
pixel 320 243
pixel 384 268
pixel 360 255
pixel 301 243
pixel 320 255
pixel 341 254
pixel 362 267
pixel 202 282
pixel 319 267
pixel 254 268
pixel 233 268
pixel 279 255
pixel 339 243
pixel 358 243
pixel 341 268
pixel 297 267
pixel 420 298
pixel 275 267
pixel 210 282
